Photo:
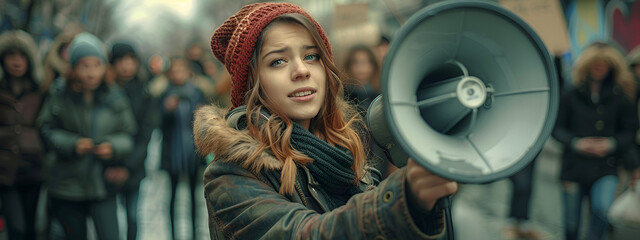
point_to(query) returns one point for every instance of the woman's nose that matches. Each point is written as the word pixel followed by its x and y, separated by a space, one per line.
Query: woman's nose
pixel 300 71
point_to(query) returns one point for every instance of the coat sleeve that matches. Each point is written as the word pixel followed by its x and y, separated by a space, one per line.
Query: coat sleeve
pixel 628 125
pixel 56 138
pixel 625 134
pixel 561 131
pixel 243 207
pixel 148 122
pixel 121 140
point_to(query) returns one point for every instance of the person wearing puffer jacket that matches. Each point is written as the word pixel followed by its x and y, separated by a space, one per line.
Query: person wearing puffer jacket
pixel 88 124
pixel 21 148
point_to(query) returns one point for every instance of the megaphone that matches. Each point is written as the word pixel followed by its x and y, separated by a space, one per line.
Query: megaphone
pixel 469 92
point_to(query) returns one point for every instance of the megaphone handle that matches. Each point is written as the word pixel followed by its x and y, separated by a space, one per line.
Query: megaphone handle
pixel 445 204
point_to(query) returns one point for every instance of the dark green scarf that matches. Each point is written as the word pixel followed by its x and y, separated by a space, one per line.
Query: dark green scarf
pixel 331 166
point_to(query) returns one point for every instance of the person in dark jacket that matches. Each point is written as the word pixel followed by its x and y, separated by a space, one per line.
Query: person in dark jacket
pixel 89 125
pixel 596 124
pixel 21 149
pixel 127 72
pixel 633 59
pixel 292 166
pixel 179 158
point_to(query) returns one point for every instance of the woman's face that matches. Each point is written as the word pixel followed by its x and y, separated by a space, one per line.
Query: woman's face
pixel 361 68
pixel 15 63
pixel 598 70
pixel 291 73
pixel 90 72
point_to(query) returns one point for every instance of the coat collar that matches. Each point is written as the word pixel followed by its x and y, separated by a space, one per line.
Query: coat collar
pixel 212 134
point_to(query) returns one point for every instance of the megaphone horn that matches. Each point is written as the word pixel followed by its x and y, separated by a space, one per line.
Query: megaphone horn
pixel 469 91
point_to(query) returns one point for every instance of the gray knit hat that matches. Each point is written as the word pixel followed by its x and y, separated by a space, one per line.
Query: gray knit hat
pixel 86 45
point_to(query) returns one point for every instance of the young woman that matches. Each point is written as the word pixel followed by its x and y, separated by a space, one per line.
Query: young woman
pixel 296 167
pixel 596 124
pixel 89 125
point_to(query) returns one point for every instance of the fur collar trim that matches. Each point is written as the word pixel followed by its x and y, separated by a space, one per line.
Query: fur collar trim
pixel 212 133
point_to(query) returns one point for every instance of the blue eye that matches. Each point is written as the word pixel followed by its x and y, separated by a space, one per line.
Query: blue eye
pixel 312 57
pixel 276 62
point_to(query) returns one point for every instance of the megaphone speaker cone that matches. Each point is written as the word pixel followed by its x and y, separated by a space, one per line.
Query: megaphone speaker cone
pixel 468 90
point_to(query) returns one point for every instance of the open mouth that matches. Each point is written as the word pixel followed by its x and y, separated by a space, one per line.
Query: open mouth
pixel 301 94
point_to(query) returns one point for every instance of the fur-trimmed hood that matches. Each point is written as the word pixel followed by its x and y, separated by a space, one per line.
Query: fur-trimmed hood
pixel 25 43
pixel 53 59
pixel 599 51
pixel 212 133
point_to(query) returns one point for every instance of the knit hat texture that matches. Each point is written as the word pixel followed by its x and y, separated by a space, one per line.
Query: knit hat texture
pixel 120 50
pixel 234 41
pixel 86 45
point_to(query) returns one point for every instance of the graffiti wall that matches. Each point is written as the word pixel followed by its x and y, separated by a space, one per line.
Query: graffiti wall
pixel 614 21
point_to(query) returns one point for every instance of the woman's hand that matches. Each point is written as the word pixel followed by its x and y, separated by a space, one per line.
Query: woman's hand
pixel 594 146
pixel 84 145
pixel 103 150
pixel 171 103
pixel 425 188
pixel 116 175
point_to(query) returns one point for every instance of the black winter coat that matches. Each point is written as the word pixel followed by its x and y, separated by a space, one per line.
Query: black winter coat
pixel 612 116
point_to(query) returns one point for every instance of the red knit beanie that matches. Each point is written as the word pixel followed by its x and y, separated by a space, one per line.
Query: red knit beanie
pixel 234 41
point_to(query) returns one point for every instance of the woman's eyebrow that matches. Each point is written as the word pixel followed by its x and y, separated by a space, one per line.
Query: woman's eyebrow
pixel 284 49
pixel 280 50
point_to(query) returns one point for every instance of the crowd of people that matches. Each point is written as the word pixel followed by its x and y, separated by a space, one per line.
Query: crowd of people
pixel 77 125
pixel 77 121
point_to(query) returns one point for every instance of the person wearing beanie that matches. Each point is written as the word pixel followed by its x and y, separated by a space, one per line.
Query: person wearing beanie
pixel 125 66
pixel 88 124
pixel 596 125
pixel 21 148
pixel 289 161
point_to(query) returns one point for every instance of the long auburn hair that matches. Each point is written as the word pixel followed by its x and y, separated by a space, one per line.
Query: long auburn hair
pixel 337 121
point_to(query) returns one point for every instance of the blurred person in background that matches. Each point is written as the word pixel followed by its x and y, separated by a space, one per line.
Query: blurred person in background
pixel 596 124
pixel 221 80
pixel 125 64
pixel 363 72
pixel 161 83
pixel 88 124
pixel 195 58
pixel 21 148
pixel 179 158
pixel 633 59
pixel 156 65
